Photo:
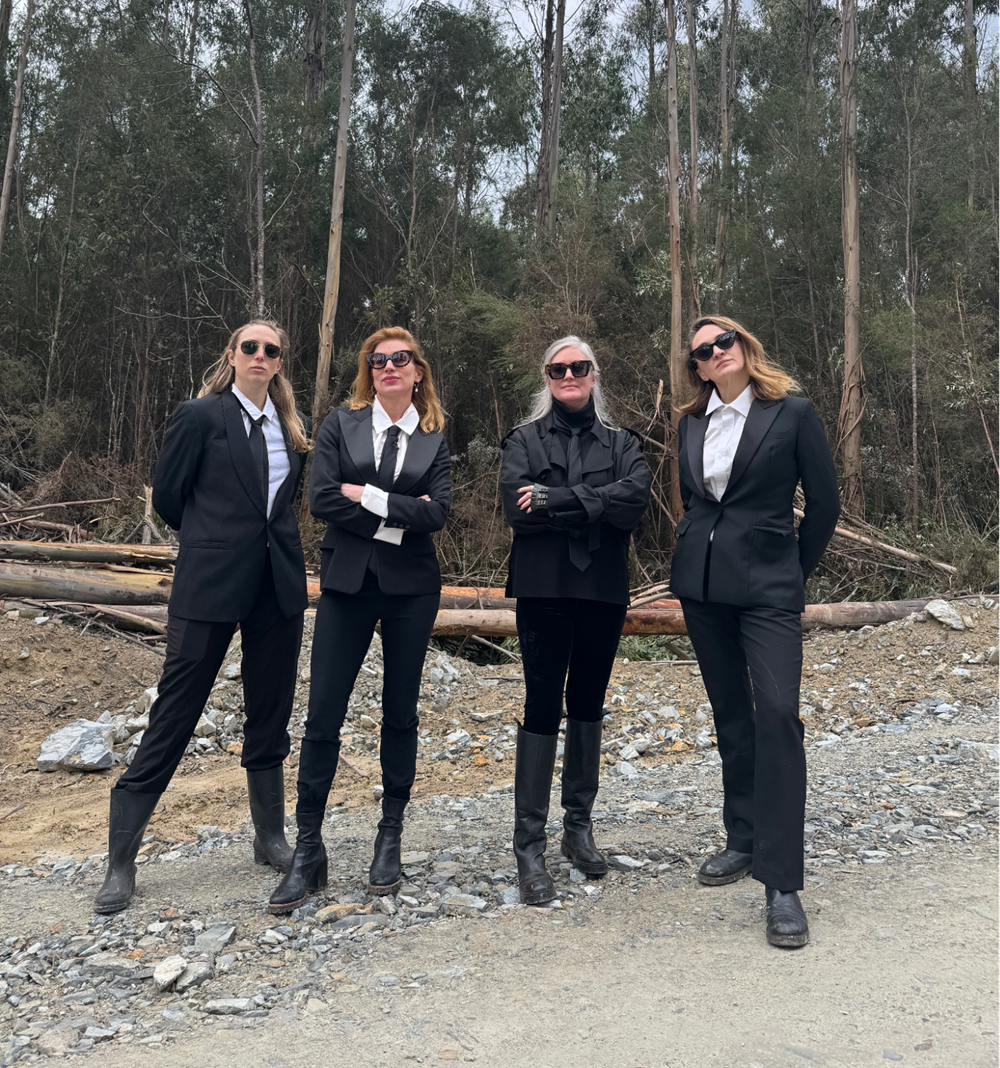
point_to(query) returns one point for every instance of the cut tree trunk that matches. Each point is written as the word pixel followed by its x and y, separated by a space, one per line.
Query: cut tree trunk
pixel 15 125
pixel 676 293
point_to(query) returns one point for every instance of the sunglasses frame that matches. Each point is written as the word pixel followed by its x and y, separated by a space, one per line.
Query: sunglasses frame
pixel 709 347
pixel 571 367
pixel 372 357
pixel 256 345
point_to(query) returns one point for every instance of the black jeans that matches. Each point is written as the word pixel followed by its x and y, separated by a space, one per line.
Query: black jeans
pixel 560 634
pixel 195 651
pixel 345 623
pixel 751 664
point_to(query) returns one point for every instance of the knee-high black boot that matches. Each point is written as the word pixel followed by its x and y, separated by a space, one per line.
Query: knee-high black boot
pixel 387 871
pixel 536 757
pixel 266 790
pixel 129 814
pixel 580 778
pixel 307 871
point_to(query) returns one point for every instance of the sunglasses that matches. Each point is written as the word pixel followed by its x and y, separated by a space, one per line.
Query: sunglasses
pixel 578 368
pixel 378 360
pixel 723 341
pixel 272 352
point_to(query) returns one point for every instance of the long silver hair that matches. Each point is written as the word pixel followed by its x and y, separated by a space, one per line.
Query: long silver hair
pixel 541 402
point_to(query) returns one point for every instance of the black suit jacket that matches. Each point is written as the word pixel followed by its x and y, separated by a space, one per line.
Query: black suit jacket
pixel 756 560
pixel 207 487
pixel 602 511
pixel 345 453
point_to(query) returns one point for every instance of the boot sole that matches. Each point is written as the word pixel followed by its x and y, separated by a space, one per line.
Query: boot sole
pixel 597 870
pixel 792 941
pixel 260 857
pixel 291 906
pixel 107 910
pixel 542 897
pixel 385 891
pixel 725 880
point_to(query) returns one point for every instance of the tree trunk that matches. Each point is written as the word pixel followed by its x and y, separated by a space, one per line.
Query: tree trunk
pixel 722 222
pixel 192 41
pixel 851 402
pixel 692 32
pixel 315 49
pixel 651 58
pixel 258 302
pixel 555 124
pixel 545 140
pixel 15 124
pixel 6 6
pixel 969 63
pixel 910 296
pixel 332 291
pixel 676 292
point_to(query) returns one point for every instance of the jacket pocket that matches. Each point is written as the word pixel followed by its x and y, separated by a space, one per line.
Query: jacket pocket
pixel 682 526
pixel 204 545
pixel 770 528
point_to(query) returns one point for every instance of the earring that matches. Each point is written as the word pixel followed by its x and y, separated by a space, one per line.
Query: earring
pixel 416 387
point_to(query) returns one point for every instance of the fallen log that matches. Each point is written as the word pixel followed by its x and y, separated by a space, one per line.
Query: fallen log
pixel 83 587
pixel 88 552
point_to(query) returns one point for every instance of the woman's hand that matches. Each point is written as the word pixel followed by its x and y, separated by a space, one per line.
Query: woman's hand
pixel 352 492
pixel 524 500
pixel 423 497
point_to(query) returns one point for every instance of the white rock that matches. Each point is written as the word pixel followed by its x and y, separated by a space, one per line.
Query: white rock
pixel 626 770
pixel 194 975
pixel 145 701
pixel 82 746
pixel 204 728
pixel 463 905
pixel 168 971
pixel 945 613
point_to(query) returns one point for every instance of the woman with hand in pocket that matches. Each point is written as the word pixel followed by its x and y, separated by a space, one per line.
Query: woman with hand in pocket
pixel 381 481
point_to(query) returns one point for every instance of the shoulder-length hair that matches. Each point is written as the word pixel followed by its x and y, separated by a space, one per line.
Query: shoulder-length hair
pixel 767 380
pixel 425 399
pixel 222 374
pixel 541 402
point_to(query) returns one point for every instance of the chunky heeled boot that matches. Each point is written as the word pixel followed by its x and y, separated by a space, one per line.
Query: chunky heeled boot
pixel 786 919
pixel 536 757
pixel 266 790
pixel 307 871
pixel 129 814
pixel 387 871
pixel 580 777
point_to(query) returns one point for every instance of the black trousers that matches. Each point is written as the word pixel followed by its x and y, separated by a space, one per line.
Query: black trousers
pixel 345 623
pixel 195 651
pixel 751 664
pixel 566 634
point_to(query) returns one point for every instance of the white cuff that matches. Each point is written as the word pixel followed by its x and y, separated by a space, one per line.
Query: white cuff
pixel 393 535
pixel 375 500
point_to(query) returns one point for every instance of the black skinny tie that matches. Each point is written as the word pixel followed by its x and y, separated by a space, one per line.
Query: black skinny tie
pixel 579 552
pixel 258 449
pixel 387 462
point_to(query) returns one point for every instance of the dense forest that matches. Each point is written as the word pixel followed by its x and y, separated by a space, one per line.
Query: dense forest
pixel 515 172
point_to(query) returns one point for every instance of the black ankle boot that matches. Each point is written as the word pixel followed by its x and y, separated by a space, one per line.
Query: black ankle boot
pixel 786 919
pixel 580 777
pixel 387 871
pixel 129 815
pixel 536 757
pixel 307 871
pixel 266 790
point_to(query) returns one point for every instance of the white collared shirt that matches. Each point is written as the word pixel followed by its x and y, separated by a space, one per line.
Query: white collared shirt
pixel 277 455
pixel 374 499
pixel 722 438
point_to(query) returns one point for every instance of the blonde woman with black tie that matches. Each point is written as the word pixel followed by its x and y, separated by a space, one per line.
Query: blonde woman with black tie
pixel 230 466
pixel 739 570
pixel 381 480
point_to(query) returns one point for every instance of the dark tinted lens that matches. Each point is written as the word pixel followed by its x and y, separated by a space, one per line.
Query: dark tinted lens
pixel 556 370
pixel 401 358
pixel 272 352
pixel 580 368
pixel 248 347
pixel 723 341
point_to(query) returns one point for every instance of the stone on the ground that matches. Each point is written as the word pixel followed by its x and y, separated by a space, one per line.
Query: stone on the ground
pixel 109 964
pixel 215 939
pixel 463 905
pixel 168 971
pixel 194 975
pixel 229 1006
pixel 57 1041
pixel 82 746
pixel 945 613
pixel 145 701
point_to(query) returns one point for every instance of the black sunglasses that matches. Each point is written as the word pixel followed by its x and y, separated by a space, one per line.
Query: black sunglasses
pixel 380 359
pixel 578 368
pixel 272 352
pixel 723 341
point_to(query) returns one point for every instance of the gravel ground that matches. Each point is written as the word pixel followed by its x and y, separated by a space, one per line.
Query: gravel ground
pixel 901 838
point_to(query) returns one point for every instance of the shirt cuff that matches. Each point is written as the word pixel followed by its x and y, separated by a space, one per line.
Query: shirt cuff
pixel 375 500
pixel 393 535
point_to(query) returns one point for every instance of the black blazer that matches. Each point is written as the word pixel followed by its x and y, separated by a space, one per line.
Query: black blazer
pixel 756 560
pixel 345 453
pixel 602 511
pixel 206 486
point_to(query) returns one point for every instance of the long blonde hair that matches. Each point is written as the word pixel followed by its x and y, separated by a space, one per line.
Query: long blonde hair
pixel 222 374
pixel 424 397
pixel 767 380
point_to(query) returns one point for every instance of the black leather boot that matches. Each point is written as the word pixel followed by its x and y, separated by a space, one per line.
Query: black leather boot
pixel 726 867
pixel 386 872
pixel 129 814
pixel 536 757
pixel 580 778
pixel 267 810
pixel 307 871
pixel 786 919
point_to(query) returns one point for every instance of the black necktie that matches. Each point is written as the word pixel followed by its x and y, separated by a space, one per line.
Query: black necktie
pixel 258 449
pixel 579 550
pixel 387 462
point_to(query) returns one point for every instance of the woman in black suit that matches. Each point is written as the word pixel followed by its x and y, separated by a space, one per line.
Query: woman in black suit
pixel 574 487
pixel 381 480
pixel 229 468
pixel 740 571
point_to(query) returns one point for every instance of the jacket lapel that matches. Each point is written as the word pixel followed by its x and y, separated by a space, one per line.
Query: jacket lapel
pixel 420 452
pixel 356 433
pixel 239 451
pixel 762 415
pixel 695 446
